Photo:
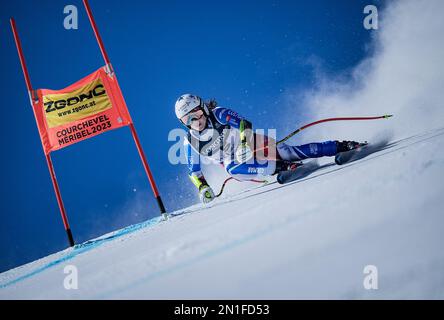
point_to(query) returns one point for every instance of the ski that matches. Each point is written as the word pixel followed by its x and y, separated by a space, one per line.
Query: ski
pixel 301 171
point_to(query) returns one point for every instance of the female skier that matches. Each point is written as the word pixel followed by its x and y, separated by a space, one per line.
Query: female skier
pixel 225 137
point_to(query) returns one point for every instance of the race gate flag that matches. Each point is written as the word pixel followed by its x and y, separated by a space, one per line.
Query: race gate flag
pixel 83 110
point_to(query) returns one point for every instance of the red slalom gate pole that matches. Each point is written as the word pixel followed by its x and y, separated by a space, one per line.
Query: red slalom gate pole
pixel 96 32
pixel 48 156
pixel 60 201
pixel 133 129
pixel 148 170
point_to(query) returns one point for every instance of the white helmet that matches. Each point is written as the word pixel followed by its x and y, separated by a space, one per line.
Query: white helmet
pixel 188 102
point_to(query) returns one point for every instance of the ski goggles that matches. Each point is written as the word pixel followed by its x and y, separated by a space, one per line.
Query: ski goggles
pixel 189 118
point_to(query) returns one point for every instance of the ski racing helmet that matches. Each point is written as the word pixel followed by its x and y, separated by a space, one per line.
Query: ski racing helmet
pixel 188 103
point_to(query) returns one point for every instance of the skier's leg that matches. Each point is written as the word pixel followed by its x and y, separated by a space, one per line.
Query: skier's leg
pixel 311 150
pixel 251 171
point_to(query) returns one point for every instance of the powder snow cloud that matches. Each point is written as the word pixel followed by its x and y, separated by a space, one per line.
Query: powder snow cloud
pixel 403 75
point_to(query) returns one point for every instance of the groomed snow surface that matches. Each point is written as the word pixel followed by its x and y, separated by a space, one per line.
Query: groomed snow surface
pixel 310 239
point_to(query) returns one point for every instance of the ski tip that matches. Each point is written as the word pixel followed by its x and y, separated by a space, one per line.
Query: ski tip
pixel 387 116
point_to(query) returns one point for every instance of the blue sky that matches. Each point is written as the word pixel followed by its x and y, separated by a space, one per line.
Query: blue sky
pixel 246 54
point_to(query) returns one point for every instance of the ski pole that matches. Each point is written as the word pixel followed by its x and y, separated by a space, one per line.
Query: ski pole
pixel 231 178
pixel 223 186
pixel 331 119
pixel 322 121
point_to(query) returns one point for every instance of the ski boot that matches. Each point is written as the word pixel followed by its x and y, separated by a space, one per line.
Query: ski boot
pixel 287 170
pixel 284 165
pixel 344 147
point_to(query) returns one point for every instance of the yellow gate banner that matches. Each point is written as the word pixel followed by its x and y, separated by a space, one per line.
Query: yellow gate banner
pixel 85 109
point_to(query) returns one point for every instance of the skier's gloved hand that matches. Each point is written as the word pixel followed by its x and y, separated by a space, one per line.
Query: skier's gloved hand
pixel 206 194
pixel 243 152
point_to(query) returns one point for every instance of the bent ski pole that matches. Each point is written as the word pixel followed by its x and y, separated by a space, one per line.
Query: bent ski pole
pixel 331 119
pixel 322 121
pixel 223 187
pixel 231 178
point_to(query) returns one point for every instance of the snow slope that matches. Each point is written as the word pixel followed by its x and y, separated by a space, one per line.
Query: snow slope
pixel 308 239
